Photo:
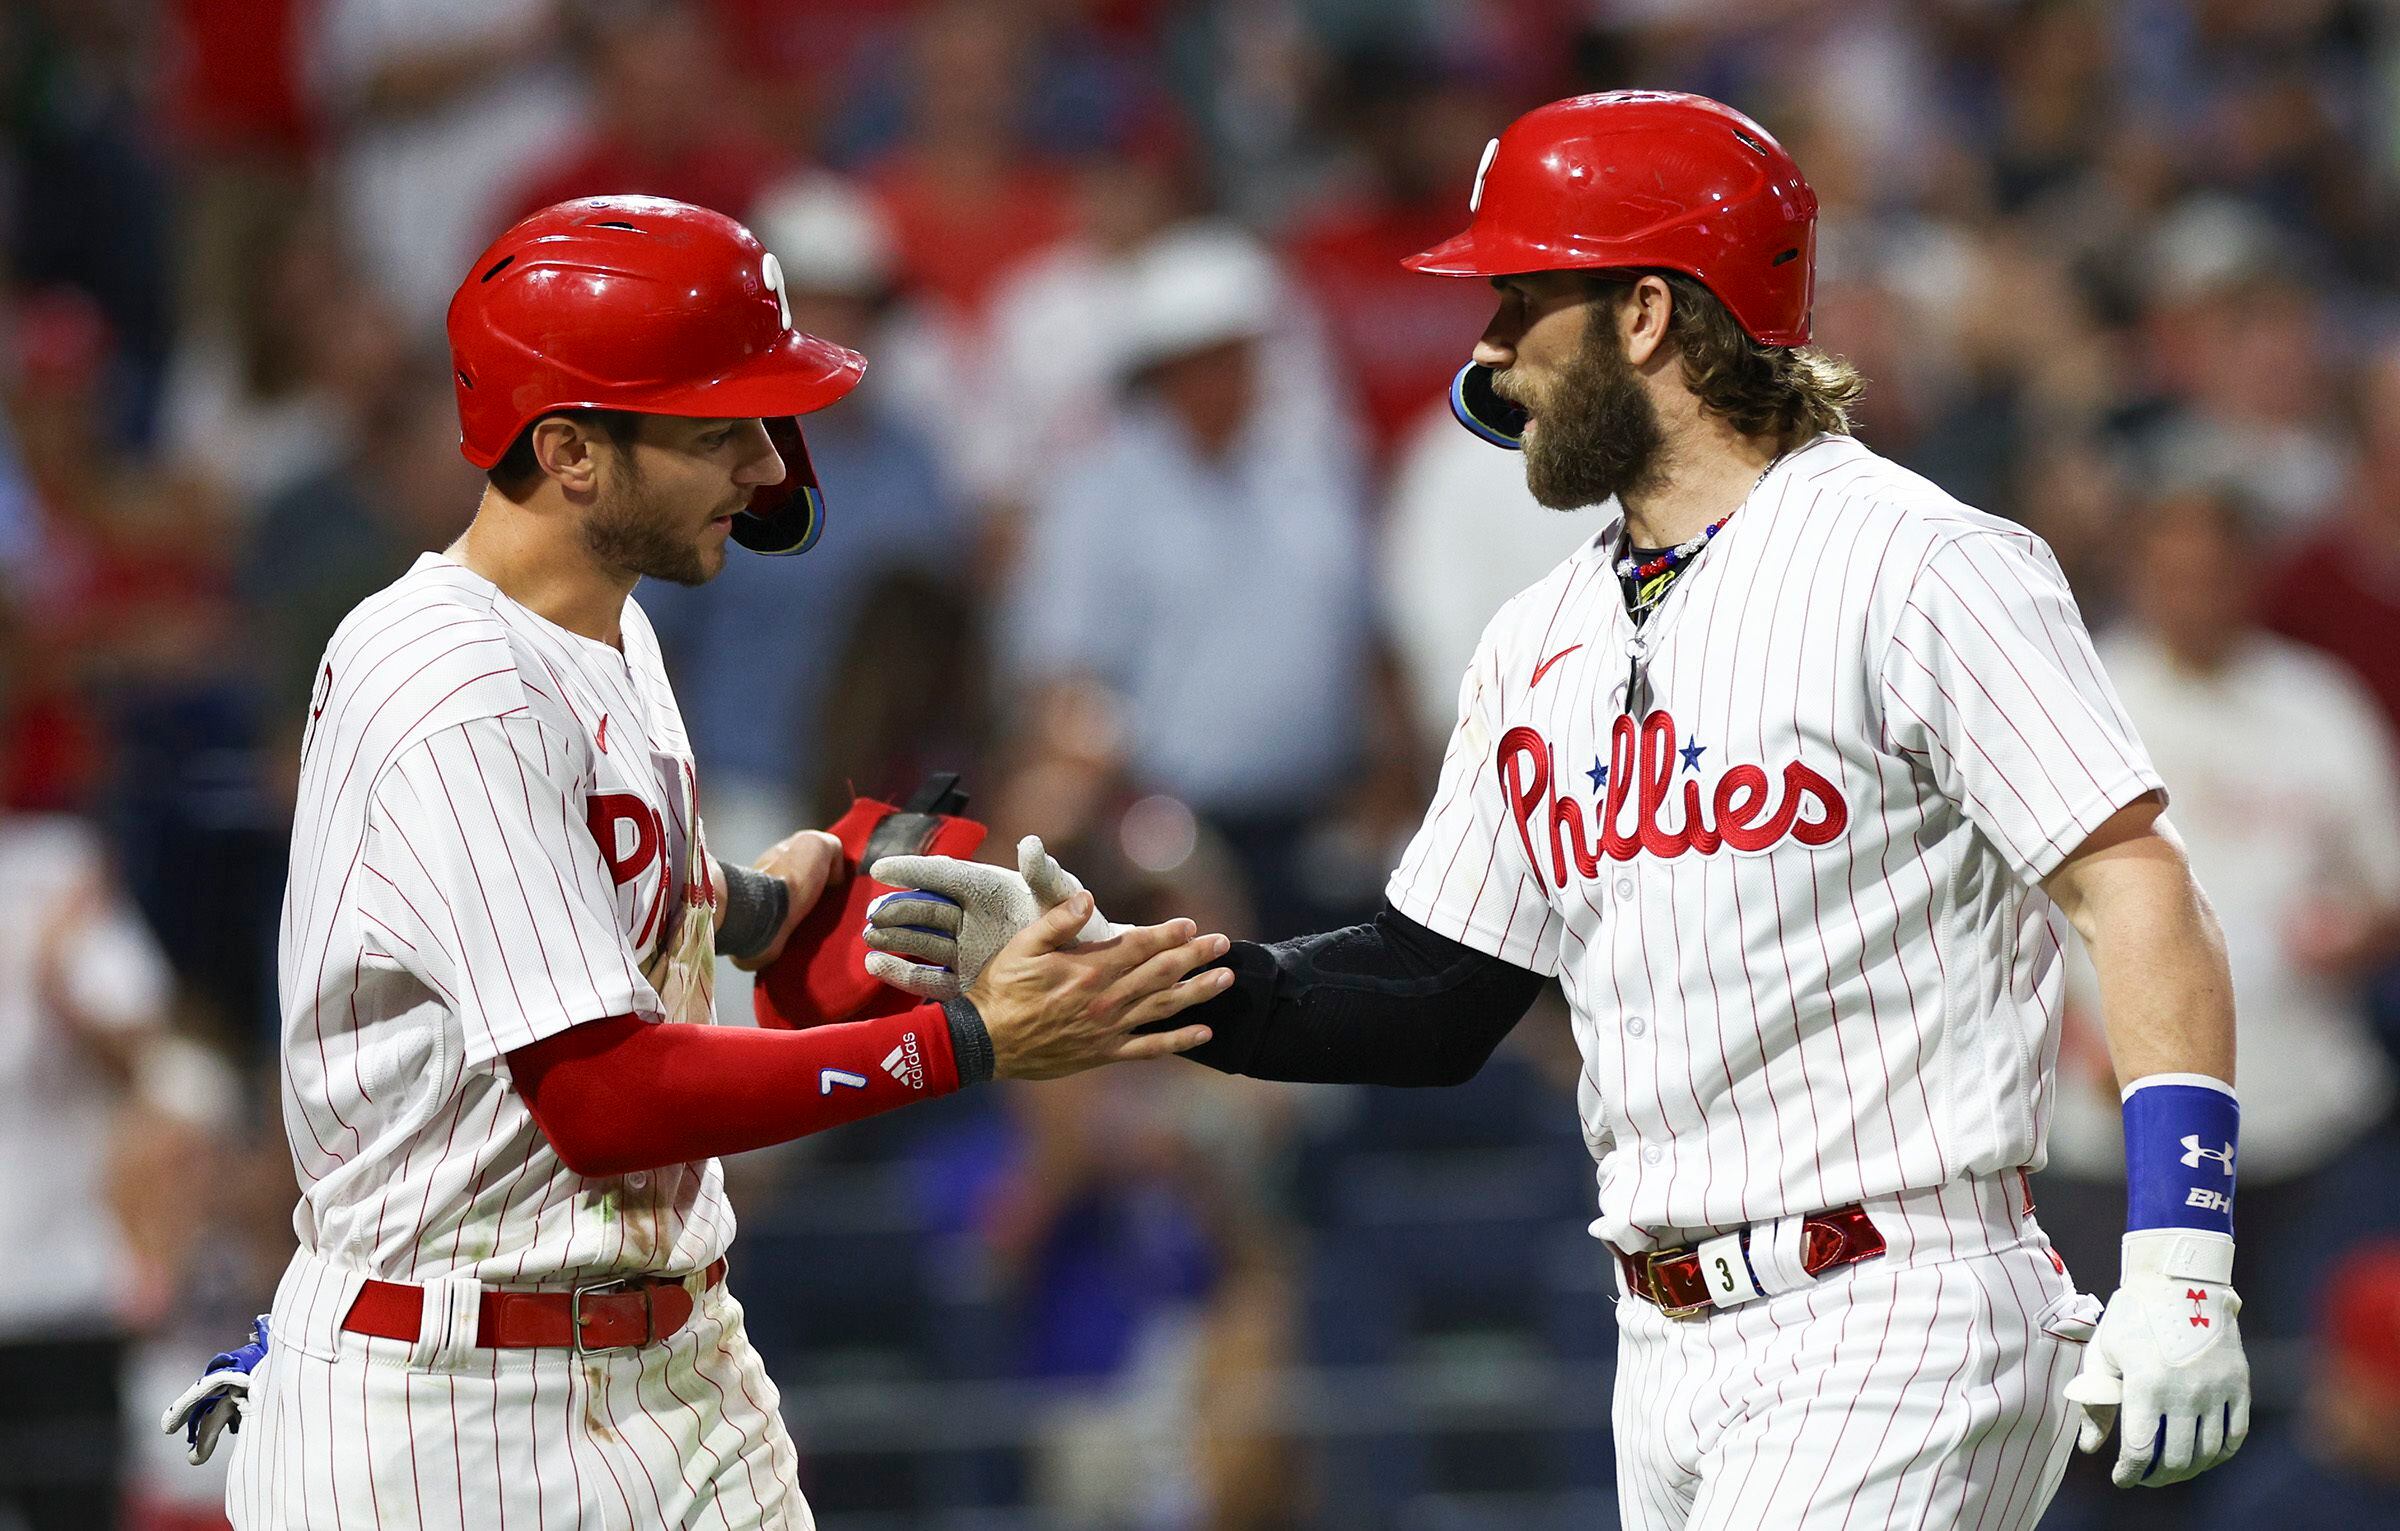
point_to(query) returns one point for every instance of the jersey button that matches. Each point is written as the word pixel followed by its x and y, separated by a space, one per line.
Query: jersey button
pixel 1635 1026
pixel 1653 1154
pixel 639 1180
pixel 1624 887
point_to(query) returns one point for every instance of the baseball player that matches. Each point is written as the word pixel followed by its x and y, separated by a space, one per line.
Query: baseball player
pixel 509 1303
pixel 1795 775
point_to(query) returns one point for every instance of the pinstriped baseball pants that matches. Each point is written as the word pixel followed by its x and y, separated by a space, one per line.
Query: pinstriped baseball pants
pixel 347 1431
pixel 1918 1389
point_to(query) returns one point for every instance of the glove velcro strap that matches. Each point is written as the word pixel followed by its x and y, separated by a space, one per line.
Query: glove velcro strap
pixel 2179 1255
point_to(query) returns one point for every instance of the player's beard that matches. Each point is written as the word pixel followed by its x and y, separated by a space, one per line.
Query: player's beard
pixel 1599 433
pixel 635 528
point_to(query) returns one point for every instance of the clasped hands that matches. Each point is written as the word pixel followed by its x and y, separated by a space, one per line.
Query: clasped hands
pixel 1028 944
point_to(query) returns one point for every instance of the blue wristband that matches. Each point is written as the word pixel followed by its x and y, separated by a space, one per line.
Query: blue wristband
pixel 2181 1132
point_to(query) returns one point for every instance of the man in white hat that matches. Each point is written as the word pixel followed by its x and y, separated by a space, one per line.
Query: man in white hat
pixel 1211 536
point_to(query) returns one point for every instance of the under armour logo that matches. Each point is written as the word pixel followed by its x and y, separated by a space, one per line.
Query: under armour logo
pixel 2198 1297
pixel 2193 1153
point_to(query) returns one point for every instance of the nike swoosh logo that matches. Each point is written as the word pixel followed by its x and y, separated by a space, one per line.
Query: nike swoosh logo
pixel 1543 668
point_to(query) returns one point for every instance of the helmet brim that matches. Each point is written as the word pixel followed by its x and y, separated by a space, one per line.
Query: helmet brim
pixel 1458 255
pixel 796 375
pixel 799 373
pixel 1467 254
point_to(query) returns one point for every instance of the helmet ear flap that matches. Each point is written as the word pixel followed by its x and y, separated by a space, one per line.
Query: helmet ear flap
pixel 1483 411
pixel 785 517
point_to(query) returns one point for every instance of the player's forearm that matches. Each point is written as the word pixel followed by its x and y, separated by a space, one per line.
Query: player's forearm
pixel 1388 1002
pixel 624 1094
pixel 2166 993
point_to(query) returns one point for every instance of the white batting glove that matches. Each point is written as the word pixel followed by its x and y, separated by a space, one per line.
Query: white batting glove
pixel 2168 1356
pixel 213 1405
pixel 950 917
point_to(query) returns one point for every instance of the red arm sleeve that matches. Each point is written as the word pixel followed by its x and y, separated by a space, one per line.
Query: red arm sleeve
pixel 627 1094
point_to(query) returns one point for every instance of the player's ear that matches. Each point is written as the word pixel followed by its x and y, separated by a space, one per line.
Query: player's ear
pixel 568 451
pixel 1641 316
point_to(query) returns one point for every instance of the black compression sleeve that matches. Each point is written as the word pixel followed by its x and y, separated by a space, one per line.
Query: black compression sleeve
pixel 1388 1002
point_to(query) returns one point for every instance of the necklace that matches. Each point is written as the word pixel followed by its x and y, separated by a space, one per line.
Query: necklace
pixel 1628 569
pixel 1652 579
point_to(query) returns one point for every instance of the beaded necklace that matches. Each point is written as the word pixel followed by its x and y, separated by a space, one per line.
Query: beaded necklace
pixel 1628 569
pixel 1651 579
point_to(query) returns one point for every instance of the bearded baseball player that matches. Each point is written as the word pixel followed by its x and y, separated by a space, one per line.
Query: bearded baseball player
pixel 504 1096
pixel 1795 775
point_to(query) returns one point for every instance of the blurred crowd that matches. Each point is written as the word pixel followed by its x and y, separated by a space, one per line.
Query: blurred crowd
pixel 1150 519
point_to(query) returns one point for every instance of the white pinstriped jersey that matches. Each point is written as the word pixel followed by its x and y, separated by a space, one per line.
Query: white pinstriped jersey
pixel 1794 901
pixel 494 841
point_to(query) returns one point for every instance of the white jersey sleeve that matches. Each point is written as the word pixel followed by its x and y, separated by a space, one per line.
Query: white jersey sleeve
pixel 1990 679
pixel 1466 874
pixel 487 873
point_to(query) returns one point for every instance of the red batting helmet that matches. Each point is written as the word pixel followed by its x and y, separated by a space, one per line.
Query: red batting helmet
pixel 653 306
pixel 1646 178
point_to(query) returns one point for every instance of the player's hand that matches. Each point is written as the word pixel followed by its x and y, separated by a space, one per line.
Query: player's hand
pixel 807 862
pixel 213 1405
pixel 2166 1363
pixel 1054 1007
pixel 949 918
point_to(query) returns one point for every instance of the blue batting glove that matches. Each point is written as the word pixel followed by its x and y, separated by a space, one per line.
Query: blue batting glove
pixel 213 1405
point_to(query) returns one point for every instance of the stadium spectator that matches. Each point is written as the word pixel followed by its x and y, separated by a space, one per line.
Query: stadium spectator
pixel 797 67
pixel 1149 1281
pixel 102 1118
pixel 1397 336
pixel 437 107
pixel 130 582
pixel 275 396
pixel 1204 561
pixel 1050 380
pixel 657 124
pixel 2339 589
pixel 245 127
pixel 89 195
pixel 2236 341
pixel 967 194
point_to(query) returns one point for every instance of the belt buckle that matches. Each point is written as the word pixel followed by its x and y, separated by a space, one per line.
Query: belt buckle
pixel 577 1321
pixel 1658 1293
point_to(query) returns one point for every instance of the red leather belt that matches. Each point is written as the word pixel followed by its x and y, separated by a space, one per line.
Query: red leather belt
pixel 641 1310
pixel 1674 1280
